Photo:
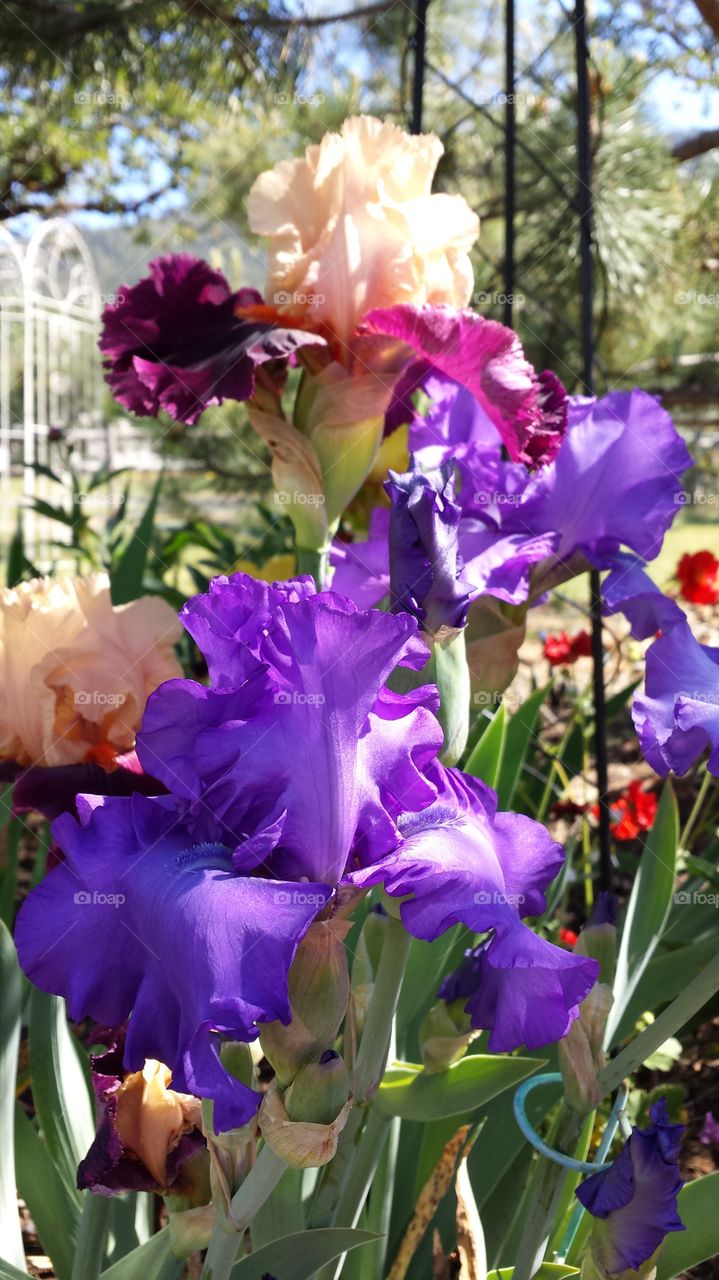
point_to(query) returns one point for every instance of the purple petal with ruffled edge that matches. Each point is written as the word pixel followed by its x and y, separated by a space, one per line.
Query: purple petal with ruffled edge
pixel 174 341
pixel 499 564
pixel 462 862
pixel 614 483
pixel 528 410
pixel 677 716
pixel 140 921
pixel 635 1201
pixel 425 566
pixel 326 664
pixel 628 589
pixel 229 620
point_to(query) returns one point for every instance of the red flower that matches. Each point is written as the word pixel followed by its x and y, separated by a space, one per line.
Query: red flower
pixel 698 576
pixel 636 810
pixel 560 650
pixel 568 937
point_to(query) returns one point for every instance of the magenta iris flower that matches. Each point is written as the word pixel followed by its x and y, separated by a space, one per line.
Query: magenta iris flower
pixel 295 778
pixel 181 340
pixel 635 1201
pixel 174 342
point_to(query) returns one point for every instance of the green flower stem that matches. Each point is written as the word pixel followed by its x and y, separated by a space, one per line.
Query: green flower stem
pixel 700 990
pixel 352 1170
pixel 316 562
pixel 227 1235
pixel 545 1186
pixel 373 1257
pixel 362 1171
pixel 543 1197
pixel 555 757
pixel 359 1177
pixel 696 809
pixel 335 1173
pixel 91 1237
pixel 374 1045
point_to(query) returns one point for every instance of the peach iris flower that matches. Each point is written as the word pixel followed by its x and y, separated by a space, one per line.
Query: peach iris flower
pixel 353 225
pixel 75 672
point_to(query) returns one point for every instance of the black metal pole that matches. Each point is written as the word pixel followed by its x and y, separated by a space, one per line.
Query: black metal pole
pixel 509 162
pixel 584 202
pixel 419 41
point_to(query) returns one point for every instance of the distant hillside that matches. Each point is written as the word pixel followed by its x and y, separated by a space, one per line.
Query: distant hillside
pixel 121 253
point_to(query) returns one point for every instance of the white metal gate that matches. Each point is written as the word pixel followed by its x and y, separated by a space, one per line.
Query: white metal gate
pixel 50 370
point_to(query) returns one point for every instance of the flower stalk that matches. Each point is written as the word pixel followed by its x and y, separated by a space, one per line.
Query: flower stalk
pixel 227 1235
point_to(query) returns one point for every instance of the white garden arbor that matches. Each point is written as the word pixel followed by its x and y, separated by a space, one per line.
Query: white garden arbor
pixel 50 370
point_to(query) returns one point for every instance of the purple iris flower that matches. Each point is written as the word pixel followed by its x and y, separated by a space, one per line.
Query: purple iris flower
pixel 613 485
pixel 295 775
pixel 710 1130
pixel 677 716
pixel 174 341
pixel 463 862
pixel 425 567
pixel 635 1201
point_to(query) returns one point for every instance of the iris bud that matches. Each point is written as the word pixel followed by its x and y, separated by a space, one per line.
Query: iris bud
pixel 305 1144
pixel 598 938
pixel 319 1091
pixel 580 1052
pixel 237 1060
pixel 453 682
pixel 319 989
pixel 445 1035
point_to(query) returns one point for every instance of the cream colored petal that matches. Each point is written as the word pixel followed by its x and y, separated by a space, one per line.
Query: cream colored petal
pixel 151 1118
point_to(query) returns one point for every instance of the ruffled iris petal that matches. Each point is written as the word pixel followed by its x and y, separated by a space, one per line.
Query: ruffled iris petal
pixel 174 342
pixel 325 663
pixel 677 716
pixel 137 922
pixel 461 862
pixel 529 411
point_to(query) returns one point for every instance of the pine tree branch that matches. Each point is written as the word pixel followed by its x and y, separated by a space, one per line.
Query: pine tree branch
pixel 697 145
